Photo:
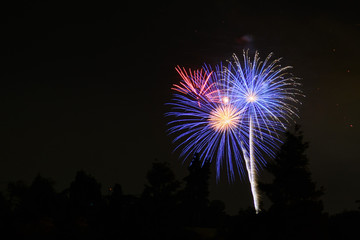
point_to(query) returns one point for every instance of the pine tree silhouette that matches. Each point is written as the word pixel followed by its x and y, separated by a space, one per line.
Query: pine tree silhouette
pixel 296 206
pixel 292 188
pixel 195 196
pixel 159 202
pixel 158 197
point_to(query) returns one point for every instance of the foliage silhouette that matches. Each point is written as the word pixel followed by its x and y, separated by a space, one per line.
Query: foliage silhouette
pixel 195 195
pixel 170 209
pixel 84 192
pixel 292 188
pixel 159 200
pixel 296 203
pixel 344 225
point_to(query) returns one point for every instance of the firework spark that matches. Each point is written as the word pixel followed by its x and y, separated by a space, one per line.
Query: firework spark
pixel 267 95
pixel 206 120
pixel 224 118
pixel 197 84
pixel 235 114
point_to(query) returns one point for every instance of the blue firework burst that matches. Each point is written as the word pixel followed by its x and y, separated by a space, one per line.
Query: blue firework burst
pixel 234 115
pixel 206 121
pixel 267 94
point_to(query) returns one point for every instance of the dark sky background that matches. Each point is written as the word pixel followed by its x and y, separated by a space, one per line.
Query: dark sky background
pixel 83 86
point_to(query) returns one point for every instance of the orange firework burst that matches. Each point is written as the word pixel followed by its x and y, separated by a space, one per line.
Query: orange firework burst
pixel 224 118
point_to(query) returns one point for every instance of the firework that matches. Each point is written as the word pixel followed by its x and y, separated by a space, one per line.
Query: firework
pixel 235 114
pixel 267 96
pixel 206 120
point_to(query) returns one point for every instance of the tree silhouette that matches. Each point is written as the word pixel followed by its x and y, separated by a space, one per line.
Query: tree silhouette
pixel 86 207
pixel 122 215
pixel 38 199
pixel 35 208
pixel 195 195
pixel 344 225
pixel 42 196
pixel 159 199
pixel 18 192
pixel 162 183
pixel 296 204
pixel 6 219
pixel 84 192
pixel 116 199
pixel 292 187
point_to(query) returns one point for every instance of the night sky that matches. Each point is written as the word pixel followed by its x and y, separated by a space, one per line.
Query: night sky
pixel 83 87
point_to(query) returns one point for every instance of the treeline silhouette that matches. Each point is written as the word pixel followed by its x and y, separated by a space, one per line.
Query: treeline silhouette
pixel 168 209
